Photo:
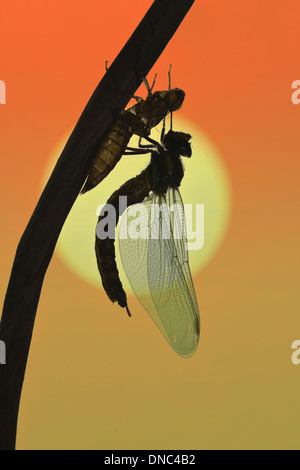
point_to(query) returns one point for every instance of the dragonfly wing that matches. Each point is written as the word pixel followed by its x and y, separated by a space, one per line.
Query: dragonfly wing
pixel 178 222
pixel 156 264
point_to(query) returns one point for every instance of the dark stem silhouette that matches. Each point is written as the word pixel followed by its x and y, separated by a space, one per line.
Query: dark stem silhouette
pixel 38 242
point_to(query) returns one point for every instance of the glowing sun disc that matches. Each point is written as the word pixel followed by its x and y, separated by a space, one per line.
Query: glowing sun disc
pixel 205 182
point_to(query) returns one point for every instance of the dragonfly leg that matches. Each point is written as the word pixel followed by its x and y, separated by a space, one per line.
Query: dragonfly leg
pixel 151 89
pixel 136 151
pixel 163 130
pixel 171 114
pixel 148 88
pixel 171 120
pixel 153 143
pixel 142 148
pixel 169 74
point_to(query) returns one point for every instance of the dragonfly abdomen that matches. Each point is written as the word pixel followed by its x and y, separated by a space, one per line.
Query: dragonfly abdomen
pixel 136 190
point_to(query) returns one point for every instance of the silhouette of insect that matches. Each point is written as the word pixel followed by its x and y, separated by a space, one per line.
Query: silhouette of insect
pixel 155 257
pixel 139 119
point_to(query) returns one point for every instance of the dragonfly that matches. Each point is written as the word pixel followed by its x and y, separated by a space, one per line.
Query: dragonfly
pixel 139 119
pixel 154 255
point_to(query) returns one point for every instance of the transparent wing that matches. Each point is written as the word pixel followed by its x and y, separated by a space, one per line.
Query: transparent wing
pixel 152 241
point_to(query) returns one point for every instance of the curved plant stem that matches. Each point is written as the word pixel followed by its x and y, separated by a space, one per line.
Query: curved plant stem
pixel 38 242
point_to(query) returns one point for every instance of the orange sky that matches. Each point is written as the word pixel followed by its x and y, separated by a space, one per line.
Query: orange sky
pixel 93 380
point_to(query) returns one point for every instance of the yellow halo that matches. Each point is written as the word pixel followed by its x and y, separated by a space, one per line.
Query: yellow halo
pixel 205 182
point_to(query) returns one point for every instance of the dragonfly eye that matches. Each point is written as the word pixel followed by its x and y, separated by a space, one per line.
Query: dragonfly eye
pixel 186 150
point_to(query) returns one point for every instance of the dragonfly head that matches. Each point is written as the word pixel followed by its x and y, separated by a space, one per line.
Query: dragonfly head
pixel 178 142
